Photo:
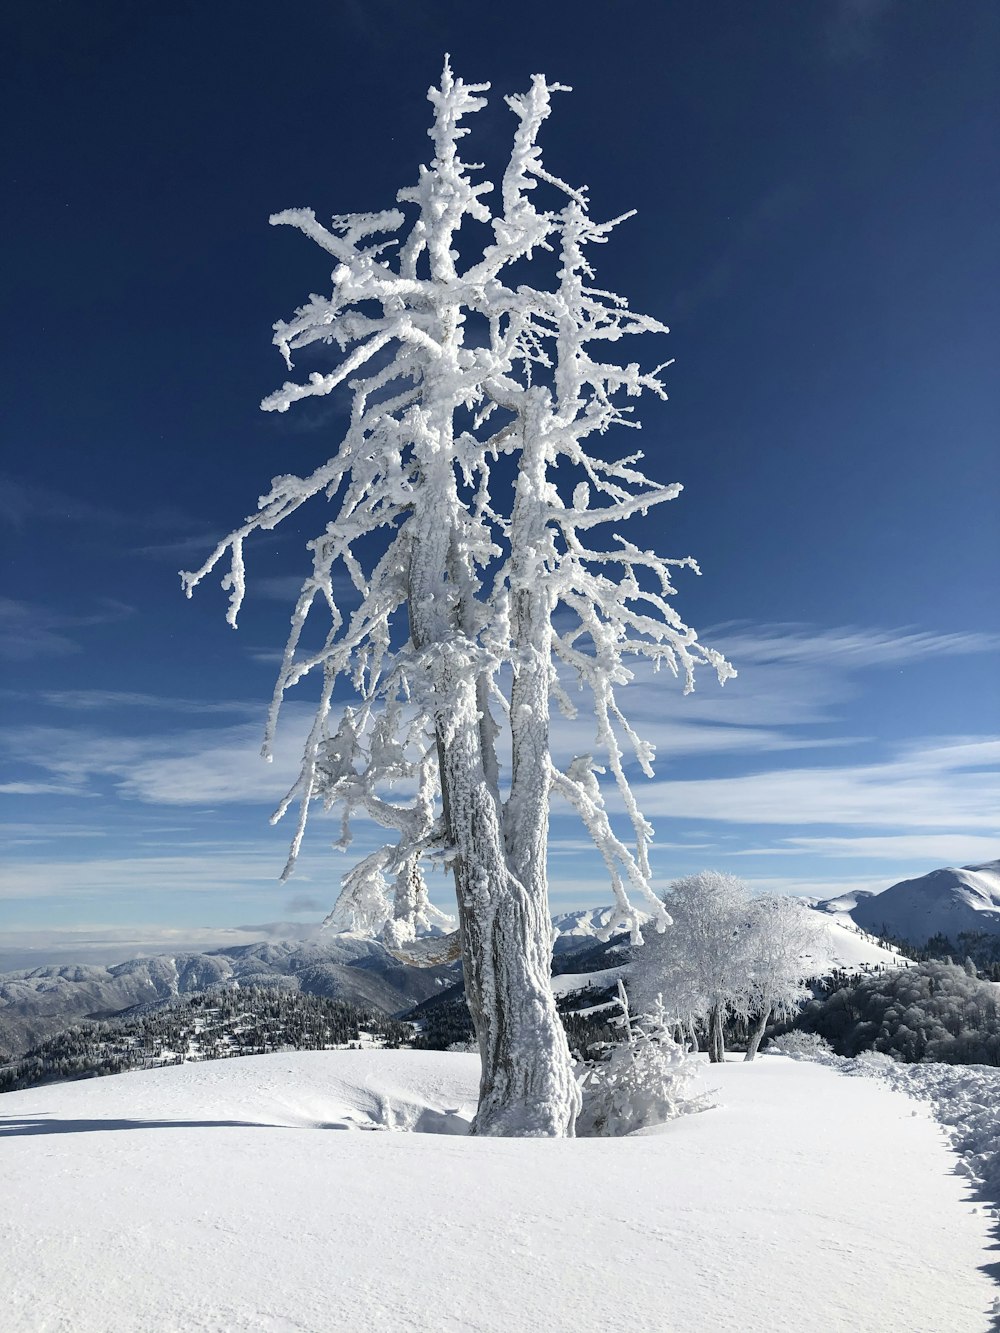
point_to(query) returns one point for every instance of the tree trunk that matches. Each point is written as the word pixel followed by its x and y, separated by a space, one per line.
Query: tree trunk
pixel 716 1040
pixel 527 1086
pixel 693 1036
pixel 757 1033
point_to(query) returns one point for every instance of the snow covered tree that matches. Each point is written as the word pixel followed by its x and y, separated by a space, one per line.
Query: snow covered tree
pixel 782 932
pixel 702 967
pixel 472 617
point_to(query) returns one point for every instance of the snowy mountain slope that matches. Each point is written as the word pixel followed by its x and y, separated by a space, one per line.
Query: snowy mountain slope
pixel 844 904
pixel 945 902
pixel 845 946
pixel 221 1197
pixel 37 1002
pixel 573 930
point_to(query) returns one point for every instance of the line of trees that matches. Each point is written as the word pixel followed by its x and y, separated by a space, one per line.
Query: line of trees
pixel 981 946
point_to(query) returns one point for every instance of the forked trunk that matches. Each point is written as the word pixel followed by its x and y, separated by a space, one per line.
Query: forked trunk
pixel 527 1086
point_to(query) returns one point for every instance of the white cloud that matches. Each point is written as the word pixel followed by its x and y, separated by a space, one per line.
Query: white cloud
pixel 40 789
pixel 145 875
pixel 846 646
pixel 793 692
pixel 199 767
pixel 95 700
pixel 29 630
pixel 37 831
pixel 931 849
pixel 938 785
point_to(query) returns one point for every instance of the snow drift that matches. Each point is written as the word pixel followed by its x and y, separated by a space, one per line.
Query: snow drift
pixel 228 1196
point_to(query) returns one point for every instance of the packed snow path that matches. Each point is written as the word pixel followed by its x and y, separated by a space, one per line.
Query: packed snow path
pixel 214 1197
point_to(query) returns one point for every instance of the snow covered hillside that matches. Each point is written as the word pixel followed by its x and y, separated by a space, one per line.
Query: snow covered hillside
pixel 945 902
pixel 231 1196
pixel 844 945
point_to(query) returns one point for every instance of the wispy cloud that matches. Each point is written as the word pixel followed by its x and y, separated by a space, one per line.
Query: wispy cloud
pixel 40 789
pixel 953 785
pixel 35 831
pixel 203 767
pixel 28 630
pixel 847 646
pixel 933 849
pixel 23 504
pixel 794 682
pixel 154 876
pixel 775 208
pixel 85 701
pixel 286 587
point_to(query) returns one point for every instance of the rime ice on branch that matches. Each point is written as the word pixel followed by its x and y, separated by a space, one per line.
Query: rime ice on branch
pixel 471 619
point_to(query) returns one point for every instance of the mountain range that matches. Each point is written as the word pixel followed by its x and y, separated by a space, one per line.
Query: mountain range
pixel 952 901
pixel 37 1002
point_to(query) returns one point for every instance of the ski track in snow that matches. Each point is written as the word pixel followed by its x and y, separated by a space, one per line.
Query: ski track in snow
pixel 211 1198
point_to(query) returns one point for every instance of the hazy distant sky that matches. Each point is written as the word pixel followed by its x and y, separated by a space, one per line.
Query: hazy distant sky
pixel 817 198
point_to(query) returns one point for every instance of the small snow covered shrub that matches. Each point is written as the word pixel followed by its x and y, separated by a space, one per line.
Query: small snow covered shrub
pixel 874 1062
pixel 642 1081
pixel 800 1046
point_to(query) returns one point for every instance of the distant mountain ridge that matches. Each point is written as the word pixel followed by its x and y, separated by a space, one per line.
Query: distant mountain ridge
pixel 951 901
pixel 37 1002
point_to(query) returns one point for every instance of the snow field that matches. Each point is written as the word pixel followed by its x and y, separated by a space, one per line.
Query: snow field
pixel 214 1197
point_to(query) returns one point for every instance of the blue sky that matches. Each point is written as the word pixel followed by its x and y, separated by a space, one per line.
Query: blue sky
pixel 817 198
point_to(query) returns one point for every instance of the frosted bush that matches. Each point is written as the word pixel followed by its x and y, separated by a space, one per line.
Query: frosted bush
pixel 873 1062
pixel 642 1081
pixel 800 1046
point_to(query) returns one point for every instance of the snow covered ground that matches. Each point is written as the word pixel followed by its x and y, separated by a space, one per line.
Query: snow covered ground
pixel 843 944
pixel 218 1196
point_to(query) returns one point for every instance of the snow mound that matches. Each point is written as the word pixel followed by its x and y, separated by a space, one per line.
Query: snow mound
pixel 214 1197
pixel 843 904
